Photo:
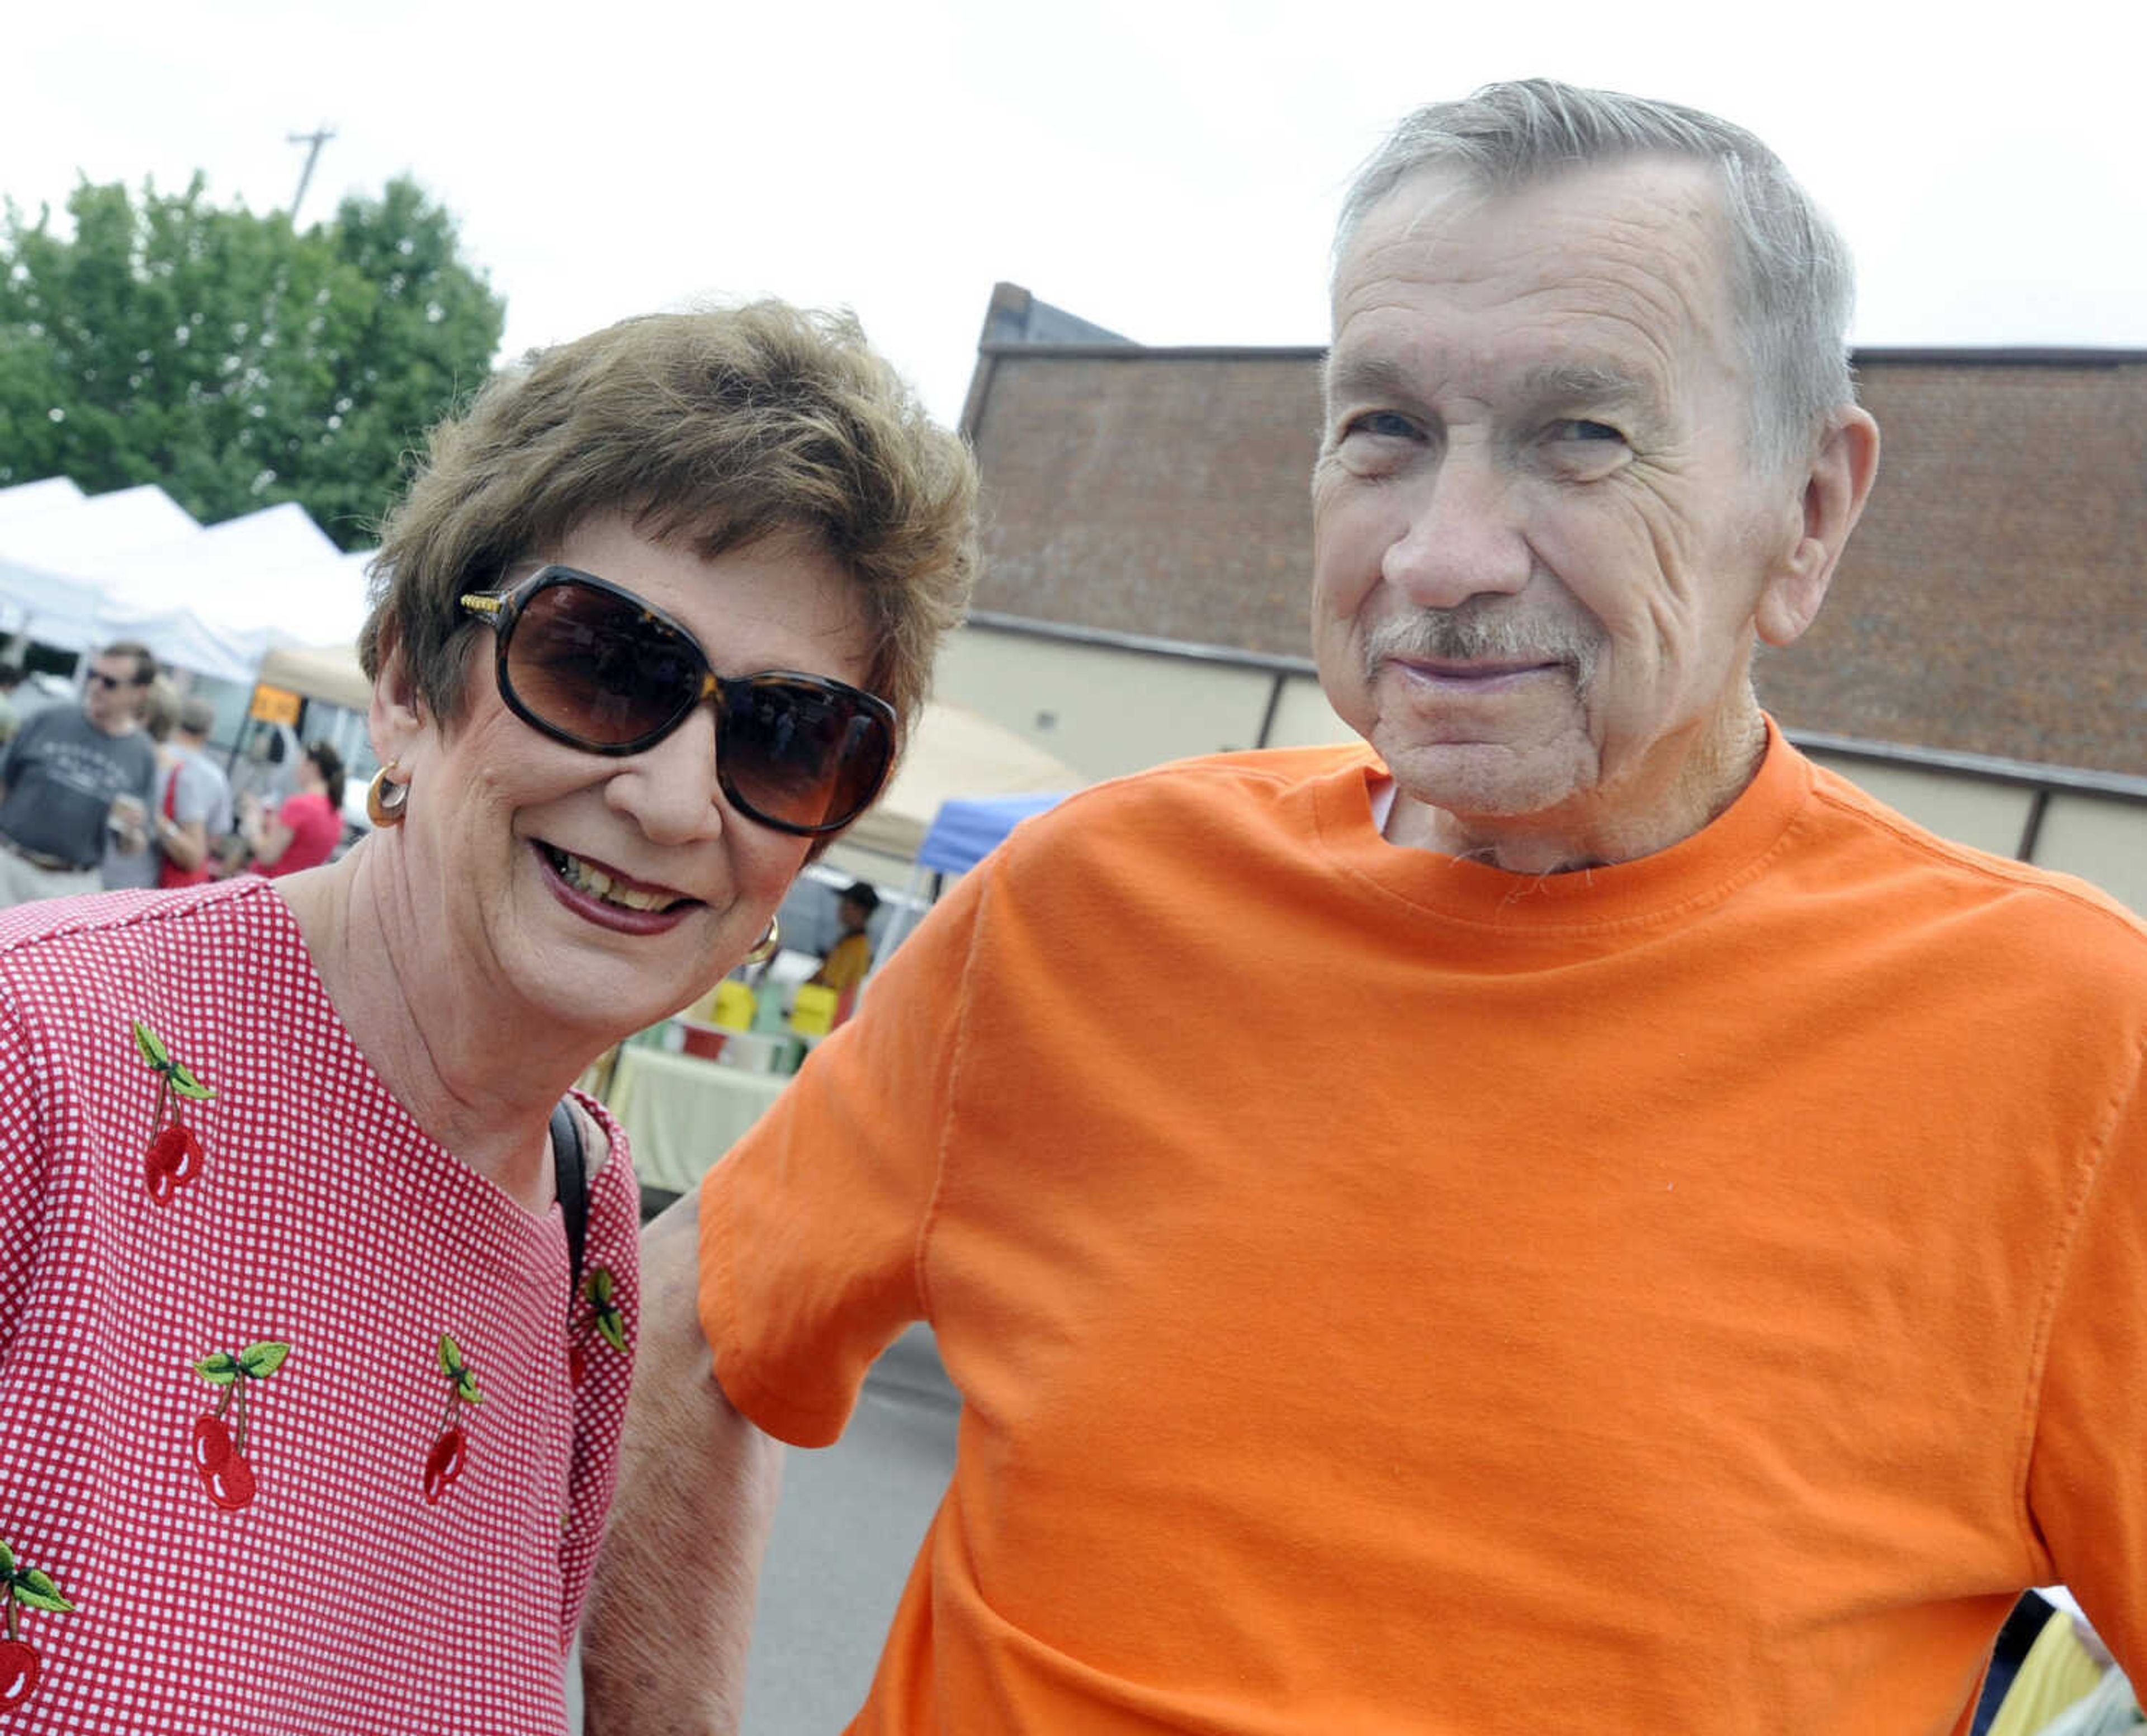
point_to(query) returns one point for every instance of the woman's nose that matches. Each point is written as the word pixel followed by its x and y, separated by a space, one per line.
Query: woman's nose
pixel 670 790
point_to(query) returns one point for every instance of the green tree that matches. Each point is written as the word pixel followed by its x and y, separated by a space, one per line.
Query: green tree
pixel 233 361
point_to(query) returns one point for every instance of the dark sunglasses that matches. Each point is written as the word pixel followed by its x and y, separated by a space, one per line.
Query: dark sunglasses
pixel 591 665
pixel 99 678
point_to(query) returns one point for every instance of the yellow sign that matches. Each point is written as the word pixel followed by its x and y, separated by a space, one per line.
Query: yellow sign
pixel 276 705
pixel 813 1013
pixel 734 1006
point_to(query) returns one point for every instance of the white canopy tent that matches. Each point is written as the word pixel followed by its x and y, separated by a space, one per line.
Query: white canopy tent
pixel 76 572
pixel 39 496
pixel 40 604
pixel 80 536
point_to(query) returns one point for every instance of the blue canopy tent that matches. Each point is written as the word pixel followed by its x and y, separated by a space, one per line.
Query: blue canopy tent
pixel 967 829
pixel 970 827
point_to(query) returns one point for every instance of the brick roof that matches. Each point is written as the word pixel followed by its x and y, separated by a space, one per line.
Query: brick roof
pixel 1994 600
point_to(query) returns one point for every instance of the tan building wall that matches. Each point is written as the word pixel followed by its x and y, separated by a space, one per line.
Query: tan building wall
pixel 2101 840
pixel 1103 710
pixel 1107 710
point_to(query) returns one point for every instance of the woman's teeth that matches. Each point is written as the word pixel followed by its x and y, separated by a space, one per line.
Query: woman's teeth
pixel 587 877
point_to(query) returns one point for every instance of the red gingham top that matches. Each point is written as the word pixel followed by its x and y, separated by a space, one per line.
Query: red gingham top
pixel 389 1524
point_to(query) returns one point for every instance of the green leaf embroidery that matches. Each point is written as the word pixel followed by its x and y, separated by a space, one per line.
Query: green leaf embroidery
pixel 218 1370
pixel 6 1560
pixel 36 1591
pixel 186 1085
pixel 151 1047
pixel 610 1328
pixel 466 1384
pixel 264 1359
pixel 451 1358
pixel 598 1285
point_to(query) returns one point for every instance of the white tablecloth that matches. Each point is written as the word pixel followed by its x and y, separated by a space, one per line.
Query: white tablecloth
pixel 682 1113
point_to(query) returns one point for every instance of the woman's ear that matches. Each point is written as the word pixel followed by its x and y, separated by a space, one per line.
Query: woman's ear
pixel 1835 488
pixel 396 717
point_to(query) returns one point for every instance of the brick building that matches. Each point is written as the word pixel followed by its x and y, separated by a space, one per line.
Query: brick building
pixel 1988 627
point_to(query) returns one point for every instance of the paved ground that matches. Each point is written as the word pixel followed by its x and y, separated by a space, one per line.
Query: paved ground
pixel 845 1534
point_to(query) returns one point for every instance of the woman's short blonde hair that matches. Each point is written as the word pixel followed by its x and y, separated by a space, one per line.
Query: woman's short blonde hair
pixel 718 429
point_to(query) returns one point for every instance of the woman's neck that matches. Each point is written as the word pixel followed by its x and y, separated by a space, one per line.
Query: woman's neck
pixel 446 1039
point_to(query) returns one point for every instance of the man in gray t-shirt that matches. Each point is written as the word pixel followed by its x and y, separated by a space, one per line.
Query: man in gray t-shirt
pixel 63 772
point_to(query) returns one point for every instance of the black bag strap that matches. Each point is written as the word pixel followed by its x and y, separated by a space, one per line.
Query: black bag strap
pixel 570 1174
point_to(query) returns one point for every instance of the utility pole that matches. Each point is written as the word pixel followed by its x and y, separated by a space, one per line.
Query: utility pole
pixel 319 136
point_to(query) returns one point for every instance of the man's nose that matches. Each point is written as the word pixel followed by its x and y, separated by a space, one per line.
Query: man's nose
pixel 1463 537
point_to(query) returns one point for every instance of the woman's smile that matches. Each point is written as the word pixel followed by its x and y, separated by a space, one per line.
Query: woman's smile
pixel 609 896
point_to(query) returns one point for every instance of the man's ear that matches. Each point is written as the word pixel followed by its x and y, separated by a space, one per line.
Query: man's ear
pixel 1835 488
pixel 396 719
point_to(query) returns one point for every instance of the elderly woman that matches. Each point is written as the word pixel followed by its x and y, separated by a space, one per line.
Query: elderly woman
pixel 309 1424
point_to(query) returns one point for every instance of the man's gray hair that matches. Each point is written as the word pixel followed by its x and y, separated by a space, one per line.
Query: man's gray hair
pixel 1791 282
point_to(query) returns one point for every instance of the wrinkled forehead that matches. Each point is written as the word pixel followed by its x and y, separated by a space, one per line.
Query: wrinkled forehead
pixel 1659 222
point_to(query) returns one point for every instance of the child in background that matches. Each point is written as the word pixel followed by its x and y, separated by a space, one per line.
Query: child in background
pixel 850 959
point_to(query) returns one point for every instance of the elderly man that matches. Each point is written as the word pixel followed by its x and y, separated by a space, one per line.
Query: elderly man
pixel 68 775
pixel 1629 1235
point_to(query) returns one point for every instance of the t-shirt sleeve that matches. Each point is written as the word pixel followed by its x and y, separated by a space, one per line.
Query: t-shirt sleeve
pixel 813 1228
pixel 194 794
pixel 2086 1494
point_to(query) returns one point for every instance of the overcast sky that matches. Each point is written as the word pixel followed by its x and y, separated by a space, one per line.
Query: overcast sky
pixel 1169 168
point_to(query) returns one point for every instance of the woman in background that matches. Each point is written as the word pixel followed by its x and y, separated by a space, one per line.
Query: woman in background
pixel 303 832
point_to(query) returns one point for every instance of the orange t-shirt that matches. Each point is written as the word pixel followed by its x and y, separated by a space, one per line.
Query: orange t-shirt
pixel 1388 1294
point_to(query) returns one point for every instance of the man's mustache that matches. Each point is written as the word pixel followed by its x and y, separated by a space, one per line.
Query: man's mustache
pixel 1481 631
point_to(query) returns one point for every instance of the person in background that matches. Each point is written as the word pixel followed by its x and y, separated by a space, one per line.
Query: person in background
pixel 227 857
pixel 303 832
pixel 316 1346
pixel 131 857
pixel 849 960
pixel 70 774
pixel 1615 1229
pixel 193 810
pixel 11 684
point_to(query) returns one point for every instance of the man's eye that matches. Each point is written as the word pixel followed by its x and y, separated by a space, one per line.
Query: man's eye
pixel 1380 425
pixel 1585 430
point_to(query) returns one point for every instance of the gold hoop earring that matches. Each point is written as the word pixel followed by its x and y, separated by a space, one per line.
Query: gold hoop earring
pixel 770 943
pixel 386 803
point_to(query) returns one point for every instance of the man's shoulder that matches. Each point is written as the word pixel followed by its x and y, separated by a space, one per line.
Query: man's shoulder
pixel 1220 783
pixel 200 772
pixel 49 720
pixel 1947 878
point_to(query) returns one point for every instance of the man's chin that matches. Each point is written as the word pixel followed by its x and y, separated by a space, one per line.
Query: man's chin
pixel 1488 780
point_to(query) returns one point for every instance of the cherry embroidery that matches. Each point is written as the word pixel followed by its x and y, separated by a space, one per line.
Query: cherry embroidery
pixel 24 1588
pixel 218 1450
pixel 450 1452
pixel 594 1310
pixel 175 1155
